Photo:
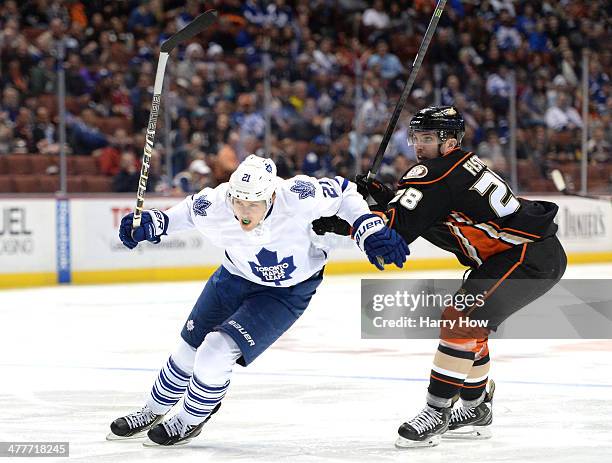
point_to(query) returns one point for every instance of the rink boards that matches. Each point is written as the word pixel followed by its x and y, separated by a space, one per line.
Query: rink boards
pixel 47 241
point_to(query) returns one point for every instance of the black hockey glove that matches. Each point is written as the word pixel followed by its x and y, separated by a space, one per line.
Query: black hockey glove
pixel 333 224
pixel 377 190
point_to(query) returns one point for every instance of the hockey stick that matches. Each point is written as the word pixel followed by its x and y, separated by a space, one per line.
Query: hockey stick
pixel 431 28
pixel 559 181
pixel 194 27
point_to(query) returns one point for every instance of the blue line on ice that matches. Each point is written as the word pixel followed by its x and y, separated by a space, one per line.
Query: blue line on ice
pixel 314 375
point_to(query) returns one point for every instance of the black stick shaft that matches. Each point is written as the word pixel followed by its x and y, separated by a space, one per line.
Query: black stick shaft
pixel 431 28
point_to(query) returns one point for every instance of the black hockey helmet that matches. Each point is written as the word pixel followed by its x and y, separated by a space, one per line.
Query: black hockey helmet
pixel 447 121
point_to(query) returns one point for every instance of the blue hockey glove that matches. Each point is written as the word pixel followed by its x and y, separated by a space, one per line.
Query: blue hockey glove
pixel 377 240
pixel 153 225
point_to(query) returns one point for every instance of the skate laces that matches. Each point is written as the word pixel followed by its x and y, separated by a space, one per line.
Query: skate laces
pixel 461 413
pixel 426 420
pixel 140 418
pixel 174 426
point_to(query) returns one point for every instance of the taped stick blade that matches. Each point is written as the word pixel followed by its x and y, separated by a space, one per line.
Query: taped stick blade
pixel 196 26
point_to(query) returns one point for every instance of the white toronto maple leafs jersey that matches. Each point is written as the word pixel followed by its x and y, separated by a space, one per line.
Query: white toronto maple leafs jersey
pixel 280 251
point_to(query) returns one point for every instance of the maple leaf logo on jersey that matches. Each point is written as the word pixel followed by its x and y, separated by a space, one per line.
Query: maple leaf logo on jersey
pixel 200 205
pixel 304 189
pixel 269 269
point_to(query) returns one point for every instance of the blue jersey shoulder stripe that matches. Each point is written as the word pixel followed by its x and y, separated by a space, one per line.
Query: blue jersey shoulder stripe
pixel 344 183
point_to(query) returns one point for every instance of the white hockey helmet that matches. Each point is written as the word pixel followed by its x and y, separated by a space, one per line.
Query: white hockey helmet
pixel 254 180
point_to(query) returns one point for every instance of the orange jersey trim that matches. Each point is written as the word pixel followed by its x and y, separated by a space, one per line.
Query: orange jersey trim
pixel 450 151
pixel 512 269
pixel 472 222
pixel 490 222
pixel 483 243
pixel 407 182
pixel 513 229
pixel 463 250
pixel 501 280
pixel 392 219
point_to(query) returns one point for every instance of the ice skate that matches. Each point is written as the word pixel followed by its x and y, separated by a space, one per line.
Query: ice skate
pixel 472 422
pixel 425 429
pixel 134 425
pixel 174 432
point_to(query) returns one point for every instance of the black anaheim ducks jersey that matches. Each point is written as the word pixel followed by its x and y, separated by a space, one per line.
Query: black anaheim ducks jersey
pixel 458 204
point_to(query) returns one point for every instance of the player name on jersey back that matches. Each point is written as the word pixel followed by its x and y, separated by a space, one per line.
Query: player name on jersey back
pixel 459 204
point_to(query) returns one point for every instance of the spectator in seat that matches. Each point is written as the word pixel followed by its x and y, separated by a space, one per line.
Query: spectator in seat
pixel 498 89
pixel 318 163
pixel 126 180
pixel 6 135
pixel 15 77
pixel 226 160
pixel 84 135
pixel 325 60
pixel 374 114
pixel 109 157
pixel 43 76
pixel 599 148
pixel 179 143
pixel 506 32
pixel 561 116
pixel 10 102
pixel 388 65
pixel 343 162
pixel 194 179
pixel 376 17
pixel 492 153
pixel 141 18
pixel 45 134
pixel 451 90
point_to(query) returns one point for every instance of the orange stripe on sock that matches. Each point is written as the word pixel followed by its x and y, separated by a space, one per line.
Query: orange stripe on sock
pixel 447 382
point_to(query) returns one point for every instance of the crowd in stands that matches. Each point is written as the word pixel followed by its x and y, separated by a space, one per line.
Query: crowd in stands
pixel 336 69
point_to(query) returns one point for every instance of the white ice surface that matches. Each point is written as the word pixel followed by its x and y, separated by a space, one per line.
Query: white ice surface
pixel 74 358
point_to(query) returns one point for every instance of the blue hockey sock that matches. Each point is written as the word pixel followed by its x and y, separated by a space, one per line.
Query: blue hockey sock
pixel 169 387
pixel 200 401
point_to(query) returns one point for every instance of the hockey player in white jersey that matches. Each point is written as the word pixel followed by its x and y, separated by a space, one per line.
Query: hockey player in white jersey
pixel 270 272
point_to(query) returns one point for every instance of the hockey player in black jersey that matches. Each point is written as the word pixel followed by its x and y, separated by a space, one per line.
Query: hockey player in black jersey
pixel 453 200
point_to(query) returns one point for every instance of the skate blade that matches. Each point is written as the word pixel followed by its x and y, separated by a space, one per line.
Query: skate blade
pixel 150 443
pixel 403 443
pixel 469 433
pixel 115 438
